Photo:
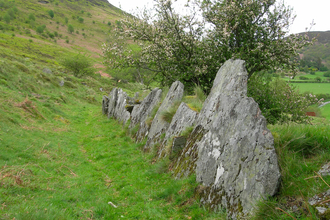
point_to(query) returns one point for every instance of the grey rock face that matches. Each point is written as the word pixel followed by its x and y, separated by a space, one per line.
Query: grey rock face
pixel 117 104
pixel 235 159
pixel 183 118
pixel 105 105
pixel 321 202
pixel 233 85
pixel 141 112
pixel 159 126
pixel 325 170
pixel 186 162
pixel 46 70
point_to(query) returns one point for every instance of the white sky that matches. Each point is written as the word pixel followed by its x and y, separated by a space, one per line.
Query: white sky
pixel 305 10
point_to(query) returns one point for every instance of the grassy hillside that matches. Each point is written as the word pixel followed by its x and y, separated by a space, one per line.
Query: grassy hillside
pixel 62 159
pixel 32 32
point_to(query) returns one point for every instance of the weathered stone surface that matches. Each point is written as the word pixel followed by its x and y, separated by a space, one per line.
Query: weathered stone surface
pixel 235 159
pixel 159 126
pixel 117 104
pixel 141 112
pixel 183 118
pixel 105 105
pixel 325 170
pixel 178 143
pixel 47 70
pixel 235 85
pixel 321 202
pixel 185 165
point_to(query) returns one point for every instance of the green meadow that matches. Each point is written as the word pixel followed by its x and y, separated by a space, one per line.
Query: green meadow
pixel 62 159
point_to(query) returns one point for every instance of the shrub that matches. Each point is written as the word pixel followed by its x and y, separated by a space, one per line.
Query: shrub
pixel 31 17
pixel 40 29
pixel 303 78
pixel 326 74
pixel 51 13
pixel 278 101
pixel 79 64
pixel 70 29
pixel 66 20
pixel 81 20
pixel 318 79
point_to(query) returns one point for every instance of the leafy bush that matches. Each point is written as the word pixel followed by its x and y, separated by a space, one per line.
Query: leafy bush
pixel 278 101
pixel 303 78
pixel 51 13
pixel 70 29
pixel 31 17
pixel 40 29
pixel 80 20
pixel 79 64
pixel 326 74
pixel 318 79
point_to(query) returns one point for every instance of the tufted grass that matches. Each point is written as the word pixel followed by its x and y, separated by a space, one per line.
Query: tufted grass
pixel 62 159
pixel 302 150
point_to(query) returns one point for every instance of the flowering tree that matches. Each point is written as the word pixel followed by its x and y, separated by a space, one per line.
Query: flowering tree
pixel 179 47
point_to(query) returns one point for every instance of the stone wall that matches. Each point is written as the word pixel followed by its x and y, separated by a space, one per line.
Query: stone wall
pixel 230 149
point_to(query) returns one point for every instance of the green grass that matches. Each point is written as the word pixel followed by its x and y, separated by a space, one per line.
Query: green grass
pixel 315 88
pixel 302 150
pixel 62 159
pixel 325 111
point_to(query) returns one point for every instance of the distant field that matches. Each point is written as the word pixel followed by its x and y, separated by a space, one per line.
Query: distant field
pixel 316 88
pixel 325 111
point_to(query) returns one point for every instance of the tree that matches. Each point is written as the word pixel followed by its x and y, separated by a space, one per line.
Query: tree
pixel 79 64
pixel 70 29
pixel 66 20
pixel 51 13
pixel 178 47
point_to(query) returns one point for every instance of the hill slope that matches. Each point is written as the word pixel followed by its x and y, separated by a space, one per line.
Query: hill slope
pixel 40 29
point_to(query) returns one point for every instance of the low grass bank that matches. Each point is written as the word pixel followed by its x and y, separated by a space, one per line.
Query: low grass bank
pixel 302 150
pixel 62 159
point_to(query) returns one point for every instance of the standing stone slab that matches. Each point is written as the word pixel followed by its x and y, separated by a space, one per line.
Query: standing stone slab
pixel 237 162
pixel 117 104
pixel 233 85
pixel 112 102
pixel 159 126
pixel 183 118
pixel 233 155
pixel 141 112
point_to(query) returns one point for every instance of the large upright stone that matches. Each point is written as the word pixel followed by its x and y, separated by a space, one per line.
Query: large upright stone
pixel 158 125
pixel 117 104
pixel 235 159
pixel 141 112
pixel 183 118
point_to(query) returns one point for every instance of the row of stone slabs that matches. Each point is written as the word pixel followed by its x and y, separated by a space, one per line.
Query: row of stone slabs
pixel 230 149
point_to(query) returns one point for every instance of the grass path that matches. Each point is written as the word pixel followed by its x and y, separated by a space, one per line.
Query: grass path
pixel 72 168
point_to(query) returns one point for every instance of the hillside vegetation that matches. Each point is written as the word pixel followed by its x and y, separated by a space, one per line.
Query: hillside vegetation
pixel 46 30
pixel 62 159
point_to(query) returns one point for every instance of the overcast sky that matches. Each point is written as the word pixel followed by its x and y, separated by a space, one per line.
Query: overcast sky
pixel 306 11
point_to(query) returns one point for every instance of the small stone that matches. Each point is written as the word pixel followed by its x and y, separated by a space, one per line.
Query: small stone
pixel 46 70
pixel 61 83
pixel 325 170
pixel 321 210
